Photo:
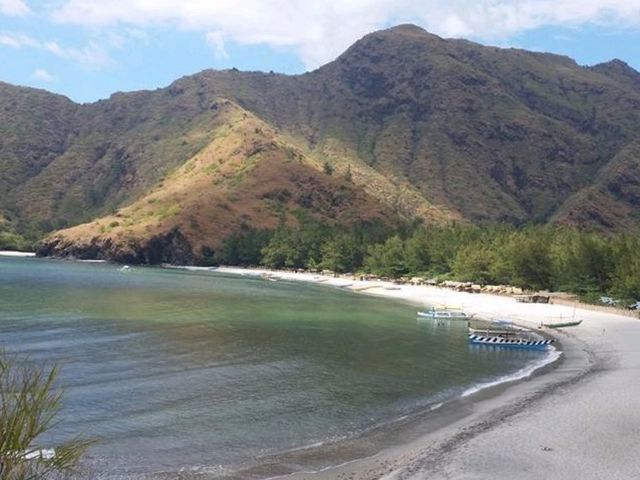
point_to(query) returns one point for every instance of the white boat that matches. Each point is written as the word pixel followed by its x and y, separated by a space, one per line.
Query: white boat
pixel 443 314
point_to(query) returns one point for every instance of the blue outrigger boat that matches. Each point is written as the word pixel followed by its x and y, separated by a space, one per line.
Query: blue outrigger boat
pixel 509 342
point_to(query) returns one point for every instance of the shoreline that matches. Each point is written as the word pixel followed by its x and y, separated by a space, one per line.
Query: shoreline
pixel 15 253
pixel 503 421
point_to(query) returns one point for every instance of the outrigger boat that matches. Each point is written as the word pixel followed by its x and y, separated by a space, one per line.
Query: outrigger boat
pixel 563 324
pixel 509 342
pixel 571 323
pixel 490 332
pixel 494 328
pixel 443 314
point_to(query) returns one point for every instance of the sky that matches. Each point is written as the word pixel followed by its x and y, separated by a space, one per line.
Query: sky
pixel 89 49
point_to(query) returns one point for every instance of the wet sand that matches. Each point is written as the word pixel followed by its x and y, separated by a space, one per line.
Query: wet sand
pixel 578 420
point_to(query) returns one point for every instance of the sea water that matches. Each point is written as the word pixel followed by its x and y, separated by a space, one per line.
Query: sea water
pixel 210 374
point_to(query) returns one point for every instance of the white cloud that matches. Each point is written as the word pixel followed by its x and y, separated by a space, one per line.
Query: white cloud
pixel 318 30
pixel 138 34
pixel 42 74
pixel 92 55
pixel 563 38
pixel 216 41
pixel 17 40
pixel 14 8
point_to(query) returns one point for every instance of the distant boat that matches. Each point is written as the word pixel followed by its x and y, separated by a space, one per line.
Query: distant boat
pixel 269 277
pixel 509 342
pixel 443 314
pixel 574 323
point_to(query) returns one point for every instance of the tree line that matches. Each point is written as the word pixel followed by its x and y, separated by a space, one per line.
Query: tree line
pixel 535 257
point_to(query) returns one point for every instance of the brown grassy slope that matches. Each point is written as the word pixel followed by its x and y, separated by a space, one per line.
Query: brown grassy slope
pixel 247 174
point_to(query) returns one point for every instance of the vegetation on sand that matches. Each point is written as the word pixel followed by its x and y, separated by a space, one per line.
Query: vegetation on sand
pixel 536 257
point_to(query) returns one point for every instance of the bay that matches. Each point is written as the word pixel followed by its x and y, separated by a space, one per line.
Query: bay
pixel 181 371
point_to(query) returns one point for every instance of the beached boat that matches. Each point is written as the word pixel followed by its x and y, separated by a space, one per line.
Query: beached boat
pixel 574 323
pixel 443 314
pixel 491 331
pixel 509 342
pixel 494 328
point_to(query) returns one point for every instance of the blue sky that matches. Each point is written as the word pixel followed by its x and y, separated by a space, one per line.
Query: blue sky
pixel 88 49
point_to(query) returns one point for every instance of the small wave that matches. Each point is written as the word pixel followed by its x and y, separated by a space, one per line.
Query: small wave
pixel 523 373
pixel 520 374
pixel 359 433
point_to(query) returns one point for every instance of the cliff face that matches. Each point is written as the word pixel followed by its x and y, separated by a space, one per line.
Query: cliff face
pixel 171 247
pixel 427 127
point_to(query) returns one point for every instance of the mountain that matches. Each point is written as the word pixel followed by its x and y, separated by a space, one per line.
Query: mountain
pixel 491 134
pixel 613 200
pixel 246 175
pixel 421 126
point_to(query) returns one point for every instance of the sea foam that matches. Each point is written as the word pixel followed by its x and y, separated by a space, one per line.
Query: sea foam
pixel 552 355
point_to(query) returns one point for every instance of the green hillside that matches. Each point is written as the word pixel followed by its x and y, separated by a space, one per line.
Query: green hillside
pixel 420 126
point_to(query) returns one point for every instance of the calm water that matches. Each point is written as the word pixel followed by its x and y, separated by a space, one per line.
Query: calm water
pixel 208 373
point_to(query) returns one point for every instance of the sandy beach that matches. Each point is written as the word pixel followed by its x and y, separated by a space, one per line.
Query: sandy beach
pixel 579 419
pixel 12 253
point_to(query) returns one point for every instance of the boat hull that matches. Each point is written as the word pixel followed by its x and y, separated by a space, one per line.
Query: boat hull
pixel 562 325
pixel 509 342
pixel 488 332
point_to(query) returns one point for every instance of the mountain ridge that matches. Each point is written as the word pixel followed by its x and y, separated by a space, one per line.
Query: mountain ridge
pixel 440 129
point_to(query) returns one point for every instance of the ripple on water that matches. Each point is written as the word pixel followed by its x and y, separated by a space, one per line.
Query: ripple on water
pixel 198 372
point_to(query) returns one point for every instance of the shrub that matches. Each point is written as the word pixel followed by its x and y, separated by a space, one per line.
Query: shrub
pixel 29 404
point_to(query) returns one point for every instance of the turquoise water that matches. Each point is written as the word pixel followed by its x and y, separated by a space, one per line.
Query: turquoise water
pixel 205 373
